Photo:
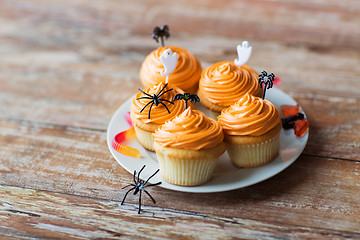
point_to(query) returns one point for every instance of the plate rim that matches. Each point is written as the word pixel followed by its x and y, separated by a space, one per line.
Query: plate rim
pixel 203 188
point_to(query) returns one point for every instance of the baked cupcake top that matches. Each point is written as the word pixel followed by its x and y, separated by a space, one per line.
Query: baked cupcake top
pixel 250 116
pixel 224 83
pixel 190 130
pixel 159 114
pixel 185 76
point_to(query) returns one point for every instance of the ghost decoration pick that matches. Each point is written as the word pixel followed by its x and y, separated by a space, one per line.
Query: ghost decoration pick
pixel 169 61
pixel 244 53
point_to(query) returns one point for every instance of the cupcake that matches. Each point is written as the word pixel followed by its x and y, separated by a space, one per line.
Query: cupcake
pixel 185 76
pixel 251 131
pixel 188 147
pixel 147 115
pixel 223 83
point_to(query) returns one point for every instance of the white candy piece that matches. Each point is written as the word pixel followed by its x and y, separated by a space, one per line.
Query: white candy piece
pixel 244 53
pixel 169 61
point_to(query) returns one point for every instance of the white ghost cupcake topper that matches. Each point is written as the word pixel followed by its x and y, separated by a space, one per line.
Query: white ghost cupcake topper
pixel 169 61
pixel 244 53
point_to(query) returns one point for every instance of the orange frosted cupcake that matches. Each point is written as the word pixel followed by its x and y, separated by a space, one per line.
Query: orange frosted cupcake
pixel 146 120
pixel 188 147
pixel 251 131
pixel 223 83
pixel 185 76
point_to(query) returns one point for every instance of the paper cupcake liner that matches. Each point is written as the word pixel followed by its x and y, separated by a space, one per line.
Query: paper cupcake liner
pixel 186 172
pixel 253 155
pixel 145 138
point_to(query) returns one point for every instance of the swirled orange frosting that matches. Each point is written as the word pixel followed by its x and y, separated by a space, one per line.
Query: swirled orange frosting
pixel 224 83
pixel 190 130
pixel 158 113
pixel 185 76
pixel 249 116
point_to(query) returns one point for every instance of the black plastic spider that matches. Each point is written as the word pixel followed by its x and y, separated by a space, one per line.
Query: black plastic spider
pixel 140 186
pixel 155 99
pixel 187 97
pixel 161 33
pixel 266 80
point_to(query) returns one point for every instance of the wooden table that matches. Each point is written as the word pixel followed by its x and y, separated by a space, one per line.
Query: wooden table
pixel 66 66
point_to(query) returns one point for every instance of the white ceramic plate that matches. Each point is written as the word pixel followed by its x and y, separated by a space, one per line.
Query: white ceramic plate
pixel 226 177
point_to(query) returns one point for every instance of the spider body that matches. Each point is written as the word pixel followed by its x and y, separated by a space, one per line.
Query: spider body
pixel 139 185
pixel 187 97
pixel 266 80
pixel 161 33
pixel 155 99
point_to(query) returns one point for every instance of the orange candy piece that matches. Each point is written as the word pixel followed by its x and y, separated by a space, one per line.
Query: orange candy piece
pixel 289 110
pixel 301 126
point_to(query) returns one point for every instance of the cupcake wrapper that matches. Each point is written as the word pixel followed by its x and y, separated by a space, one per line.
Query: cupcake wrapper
pixel 145 138
pixel 253 155
pixel 185 172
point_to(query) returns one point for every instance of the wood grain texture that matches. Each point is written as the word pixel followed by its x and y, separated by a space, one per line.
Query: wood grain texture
pixel 66 66
pixel 77 162
pixel 32 213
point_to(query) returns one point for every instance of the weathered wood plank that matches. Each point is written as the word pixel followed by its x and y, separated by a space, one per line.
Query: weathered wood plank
pixel 314 23
pixel 32 213
pixel 65 67
pixel 334 125
pixel 77 161
pixel 58 79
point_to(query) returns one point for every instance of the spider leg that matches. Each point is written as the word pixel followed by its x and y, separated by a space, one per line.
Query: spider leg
pixel 162 89
pixel 145 106
pixel 153 184
pixel 139 202
pixel 151 176
pixel 138 176
pixel 134 177
pixel 150 109
pixel 144 93
pixel 144 98
pixel 150 196
pixel 164 92
pixel 270 84
pixel 165 107
pixel 166 101
pixel 128 186
pixel 122 202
